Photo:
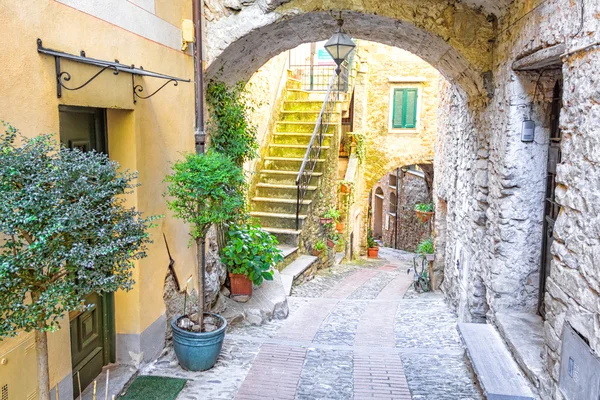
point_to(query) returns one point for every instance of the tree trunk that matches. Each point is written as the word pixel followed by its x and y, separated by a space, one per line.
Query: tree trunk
pixel 201 244
pixel 41 344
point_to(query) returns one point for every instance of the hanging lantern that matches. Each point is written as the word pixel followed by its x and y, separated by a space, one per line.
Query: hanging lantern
pixel 340 45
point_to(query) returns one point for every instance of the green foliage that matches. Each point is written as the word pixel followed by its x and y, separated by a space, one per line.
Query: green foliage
pixel 251 251
pixel 206 189
pixel 319 245
pixel 230 130
pixel 333 214
pixel 371 243
pixel 336 237
pixel 65 230
pixel 361 146
pixel 425 207
pixel 425 247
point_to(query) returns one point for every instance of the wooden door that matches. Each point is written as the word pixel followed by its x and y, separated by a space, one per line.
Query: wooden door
pixel 92 332
pixel 551 207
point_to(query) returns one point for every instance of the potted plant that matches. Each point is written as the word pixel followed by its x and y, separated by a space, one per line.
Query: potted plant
pixel 330 216
pixel 424 211
pixel 250 255
pixel 318 248
pixel 426 249
pixel 346 186
pixel 373 248
pixel 206 189
pixel 334 239
pixel 67 232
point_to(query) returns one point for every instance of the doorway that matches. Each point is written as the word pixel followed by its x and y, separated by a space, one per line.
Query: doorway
pixel 551 207
pixel 378 213
pixel 92 331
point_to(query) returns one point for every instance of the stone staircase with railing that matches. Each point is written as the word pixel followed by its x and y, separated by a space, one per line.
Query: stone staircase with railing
pixel 275 195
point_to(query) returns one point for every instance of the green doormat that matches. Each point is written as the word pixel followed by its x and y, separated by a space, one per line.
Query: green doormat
pixel 153 388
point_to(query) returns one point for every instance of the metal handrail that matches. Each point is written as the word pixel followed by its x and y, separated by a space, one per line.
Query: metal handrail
pixel 313 152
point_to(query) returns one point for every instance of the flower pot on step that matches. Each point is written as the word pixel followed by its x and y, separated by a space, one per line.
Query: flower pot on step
pixel 345 188
pixel 424 216
pixel 317 253
pixel 241 285
pixel 198 351
pixel 330 243
pixel 339 227
pixel 373 252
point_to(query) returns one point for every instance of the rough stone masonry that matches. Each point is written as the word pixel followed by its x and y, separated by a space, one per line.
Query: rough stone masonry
pixel 489 185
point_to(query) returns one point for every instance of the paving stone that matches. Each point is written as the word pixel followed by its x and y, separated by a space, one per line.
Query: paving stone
pixel 372 288
pixel 327 374
pixel 341 324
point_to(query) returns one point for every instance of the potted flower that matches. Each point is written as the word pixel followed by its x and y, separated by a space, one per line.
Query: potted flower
pixel 330 216
pixel 373 248
pixel 346 186
pixel 250 254
pixel 334 239
pixel 204 189
pixel 424 211
pixel 426 249
pixel 318 248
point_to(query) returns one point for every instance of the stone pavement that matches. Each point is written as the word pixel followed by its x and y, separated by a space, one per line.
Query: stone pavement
pixel 356 331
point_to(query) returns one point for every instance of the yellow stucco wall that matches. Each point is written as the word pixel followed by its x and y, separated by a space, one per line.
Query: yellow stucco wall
pixel 145 137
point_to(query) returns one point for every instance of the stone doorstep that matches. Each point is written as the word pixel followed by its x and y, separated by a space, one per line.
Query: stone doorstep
pixel 120 375
pixel 523 333
pixel 498 374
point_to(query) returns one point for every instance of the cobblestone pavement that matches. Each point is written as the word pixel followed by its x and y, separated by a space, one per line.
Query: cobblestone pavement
pixel 356 331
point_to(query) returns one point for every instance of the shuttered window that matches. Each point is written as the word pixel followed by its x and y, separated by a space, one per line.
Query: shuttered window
pixel 404 108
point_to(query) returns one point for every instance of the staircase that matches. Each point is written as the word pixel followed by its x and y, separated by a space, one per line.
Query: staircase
pixel 274 202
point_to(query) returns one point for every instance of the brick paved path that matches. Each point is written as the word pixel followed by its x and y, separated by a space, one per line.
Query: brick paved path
pixel 354 332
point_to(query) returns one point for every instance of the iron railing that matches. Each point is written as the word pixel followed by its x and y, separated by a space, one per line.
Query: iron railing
pixel 313 152
pixel 317 77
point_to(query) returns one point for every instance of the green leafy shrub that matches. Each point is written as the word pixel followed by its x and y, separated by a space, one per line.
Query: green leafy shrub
pixel 371 243
pixel 206 189
pixel 320 245
pixel 333 214
pixel 65 232
pixel 251 251
pixel 231 132
pixel 425 207
pixel 425 247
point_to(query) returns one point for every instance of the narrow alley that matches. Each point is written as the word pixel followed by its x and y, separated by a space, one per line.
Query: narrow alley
pixel 356 331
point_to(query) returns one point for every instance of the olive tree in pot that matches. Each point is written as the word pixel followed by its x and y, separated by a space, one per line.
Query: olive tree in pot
pixel 206 189
pixel 250 255
pixel 66 232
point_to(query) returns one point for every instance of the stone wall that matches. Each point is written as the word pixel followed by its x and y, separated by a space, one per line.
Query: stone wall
pixel 412 189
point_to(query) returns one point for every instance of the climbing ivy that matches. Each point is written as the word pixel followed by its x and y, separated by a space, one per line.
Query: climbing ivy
pixel 229 127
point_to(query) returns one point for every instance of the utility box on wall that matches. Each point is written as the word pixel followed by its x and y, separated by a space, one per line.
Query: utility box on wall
pixel 18 372
pixel 579 368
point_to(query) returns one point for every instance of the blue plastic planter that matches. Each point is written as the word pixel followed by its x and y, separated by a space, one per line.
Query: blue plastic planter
pixel 198 351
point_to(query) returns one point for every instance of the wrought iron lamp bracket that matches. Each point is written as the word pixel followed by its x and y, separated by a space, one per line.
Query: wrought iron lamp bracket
pixel 63 76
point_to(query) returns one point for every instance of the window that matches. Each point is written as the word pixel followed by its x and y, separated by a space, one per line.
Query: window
pixel 404 108
pixel 83 128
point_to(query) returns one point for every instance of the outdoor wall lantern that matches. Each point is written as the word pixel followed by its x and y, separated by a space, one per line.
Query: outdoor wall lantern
pixel 339 46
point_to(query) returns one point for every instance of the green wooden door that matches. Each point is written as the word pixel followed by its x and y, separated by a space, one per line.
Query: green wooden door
pixel 92 331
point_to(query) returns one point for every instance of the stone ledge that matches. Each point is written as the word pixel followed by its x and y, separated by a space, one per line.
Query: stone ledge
pixel 268 302
pixel 523 333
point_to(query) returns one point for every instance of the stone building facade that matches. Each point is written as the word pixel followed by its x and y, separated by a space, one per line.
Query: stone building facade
pixel 392 203
pixel 501 61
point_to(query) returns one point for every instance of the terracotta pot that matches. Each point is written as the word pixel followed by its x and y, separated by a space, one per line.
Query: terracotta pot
pixel 424 216
pixel 339 227
pixel 373 252
pixel 430 257
pixel 345 188
pixel 325 221
pixel 241 285
pixel 317 253
pixel 330 243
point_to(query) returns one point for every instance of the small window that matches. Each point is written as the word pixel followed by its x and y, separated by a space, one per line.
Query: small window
pixel 393 203
pixel 404 108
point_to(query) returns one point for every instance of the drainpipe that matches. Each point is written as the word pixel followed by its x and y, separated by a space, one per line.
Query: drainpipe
pixel 396 213
pixel 199 133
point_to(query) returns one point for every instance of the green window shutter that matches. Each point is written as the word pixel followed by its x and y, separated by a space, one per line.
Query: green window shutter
pixel 410 113
pixel 398 110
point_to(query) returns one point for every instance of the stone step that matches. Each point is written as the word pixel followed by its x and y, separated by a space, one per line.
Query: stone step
pixel 279 200
pixel 298 138
pixel 285 177
pixel 280 186
pixel 292 173
pixel 497 372
pixel 297 94
pixel 303 105
pixel 295 159
pixel 294 146
pixel 289 163
pixel 289 237
pixel 276 215
pixel 290 253
pixel 295 270
pixel 292 150
pixel 303 126
pixel 304 116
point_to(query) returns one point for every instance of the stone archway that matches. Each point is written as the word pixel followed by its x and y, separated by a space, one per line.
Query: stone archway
pixel 454 38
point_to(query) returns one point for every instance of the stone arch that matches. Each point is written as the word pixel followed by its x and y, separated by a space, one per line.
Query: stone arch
pixel 454 38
